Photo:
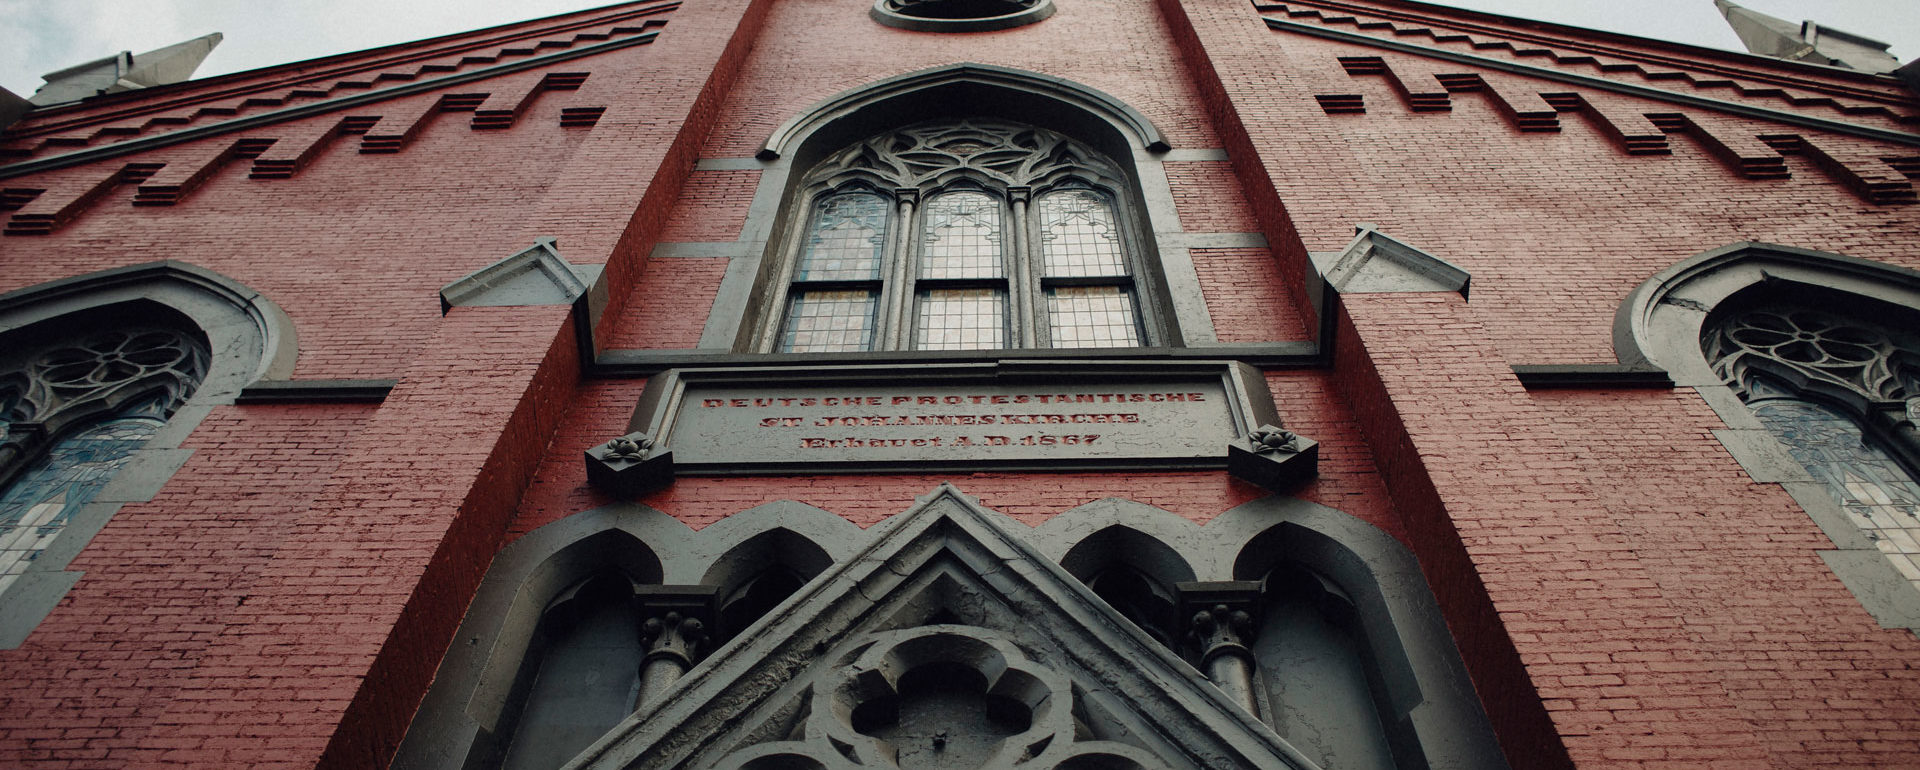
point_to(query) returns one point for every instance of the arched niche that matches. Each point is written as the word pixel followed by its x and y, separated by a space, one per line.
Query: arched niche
pixel 468 715
pixel 1324 567
pixel 1136 574
pixel 761 572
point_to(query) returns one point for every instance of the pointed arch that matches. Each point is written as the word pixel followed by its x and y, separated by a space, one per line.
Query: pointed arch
pixel 101 378
pixel 1171 307
pixel 1790 421
pixel 468 714
pixel 967 89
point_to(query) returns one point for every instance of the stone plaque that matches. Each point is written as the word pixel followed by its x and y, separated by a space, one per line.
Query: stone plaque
pixel 1051 415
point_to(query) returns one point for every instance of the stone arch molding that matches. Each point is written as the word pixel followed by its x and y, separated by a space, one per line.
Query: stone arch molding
pixel 1662 323
pixel 967 89
pixel 248 338
pixel 949 587
pixel 961 91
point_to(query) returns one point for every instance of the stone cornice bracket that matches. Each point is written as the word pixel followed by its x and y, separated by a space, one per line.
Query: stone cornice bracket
pixel 1374 262
pixel 1274 458
pixel 629 466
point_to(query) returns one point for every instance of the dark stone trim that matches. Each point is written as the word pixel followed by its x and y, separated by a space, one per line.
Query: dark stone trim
pixel 1560 376
pixel 40 302
pixel 626 364
pixel 1249 404
pixel 1141 130
pixel 143 144
pixel 1422 670
pixel 474 682
pixel 316 392
pixel 1195 155
pixel 1040 9
pixel 1824 269
pixel 905 569
pixel 1589 81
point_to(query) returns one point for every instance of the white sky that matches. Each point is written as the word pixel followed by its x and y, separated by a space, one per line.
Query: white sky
pixel 38 36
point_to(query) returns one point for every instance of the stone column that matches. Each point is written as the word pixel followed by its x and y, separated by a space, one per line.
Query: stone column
pixel 673 642
pixel 1223 634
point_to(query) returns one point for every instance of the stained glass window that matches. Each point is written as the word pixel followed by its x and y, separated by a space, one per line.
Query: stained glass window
pixel 36 508
pixel 830 322
pixel 1078 237
pixel 962 235
pixel 72 379
pixel 1760 349
pixel 961 319
pixel 1092 317
pixel 1874 490
pixel 847 239
pixel 962 238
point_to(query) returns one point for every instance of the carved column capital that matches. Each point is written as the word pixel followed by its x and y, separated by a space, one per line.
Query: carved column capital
pixel 1222 630
pixel 1223 617
pixel 673 637
pixel 676 631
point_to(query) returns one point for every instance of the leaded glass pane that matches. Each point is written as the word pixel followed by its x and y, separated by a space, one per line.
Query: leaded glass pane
pixel 1077 235
pixel 847 238
pixel 830 322
pixel 961 319
pixel 36 508
pixel 1875 491
pixel 1092 317
pixel 962 237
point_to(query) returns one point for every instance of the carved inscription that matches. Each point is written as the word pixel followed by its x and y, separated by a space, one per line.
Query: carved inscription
pixel 958 423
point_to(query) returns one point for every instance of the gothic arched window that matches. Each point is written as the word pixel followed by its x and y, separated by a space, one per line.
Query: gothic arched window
pixel 961 235
pixel 1841 392
pixel 76 401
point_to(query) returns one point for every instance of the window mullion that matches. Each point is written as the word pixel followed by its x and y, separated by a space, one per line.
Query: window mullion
pixel 1020 271
pixel 898 291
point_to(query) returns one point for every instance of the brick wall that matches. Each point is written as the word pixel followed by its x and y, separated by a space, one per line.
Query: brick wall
pixel 1623 594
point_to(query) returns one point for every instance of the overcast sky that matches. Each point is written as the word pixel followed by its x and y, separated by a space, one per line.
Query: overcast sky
pixel 38 36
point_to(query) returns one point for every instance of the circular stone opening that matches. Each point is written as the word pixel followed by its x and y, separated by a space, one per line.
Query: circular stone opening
pixel 960 15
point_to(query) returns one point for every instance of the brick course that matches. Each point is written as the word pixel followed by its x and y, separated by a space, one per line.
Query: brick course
pixel 1623 593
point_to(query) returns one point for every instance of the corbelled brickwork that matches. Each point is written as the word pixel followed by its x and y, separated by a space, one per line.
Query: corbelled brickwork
pixel 1623 593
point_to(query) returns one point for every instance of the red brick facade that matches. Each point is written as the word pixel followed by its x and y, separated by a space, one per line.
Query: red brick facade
pixel 1623 592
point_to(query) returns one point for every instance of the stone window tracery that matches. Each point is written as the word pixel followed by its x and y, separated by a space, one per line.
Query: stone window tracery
pixel 961 235
pixel 1841 392
pixel 75 408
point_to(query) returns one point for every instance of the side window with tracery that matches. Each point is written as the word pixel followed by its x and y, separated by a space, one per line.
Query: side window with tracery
pixel 1841 392
pixel 78 399
pixel 961 235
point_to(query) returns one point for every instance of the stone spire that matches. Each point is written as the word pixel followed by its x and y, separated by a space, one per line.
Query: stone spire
pixel 1806 41
pixel 125 72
